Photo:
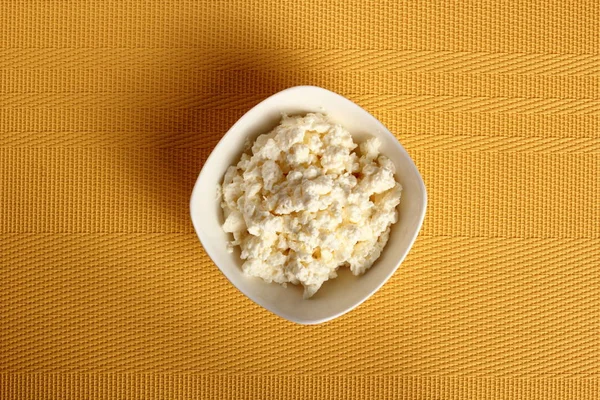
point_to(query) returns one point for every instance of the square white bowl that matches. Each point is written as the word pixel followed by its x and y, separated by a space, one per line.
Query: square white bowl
pixel 336 296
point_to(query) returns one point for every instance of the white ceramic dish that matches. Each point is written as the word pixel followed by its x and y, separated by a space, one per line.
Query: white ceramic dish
pixel 337 296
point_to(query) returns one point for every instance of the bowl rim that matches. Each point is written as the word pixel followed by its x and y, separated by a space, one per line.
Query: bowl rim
pixel 303 321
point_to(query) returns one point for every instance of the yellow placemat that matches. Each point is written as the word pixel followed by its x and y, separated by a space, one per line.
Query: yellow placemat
pixel 108 110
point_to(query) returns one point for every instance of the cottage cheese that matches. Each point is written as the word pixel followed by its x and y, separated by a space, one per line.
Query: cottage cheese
pixel 302 202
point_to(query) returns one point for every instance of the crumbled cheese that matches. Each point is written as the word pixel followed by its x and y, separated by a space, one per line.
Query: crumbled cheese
pixel 302 203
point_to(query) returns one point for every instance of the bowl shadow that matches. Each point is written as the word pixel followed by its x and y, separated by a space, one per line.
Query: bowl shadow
pixel 181 139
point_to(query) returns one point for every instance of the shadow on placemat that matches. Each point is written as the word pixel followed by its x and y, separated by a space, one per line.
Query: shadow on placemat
pixel 182 134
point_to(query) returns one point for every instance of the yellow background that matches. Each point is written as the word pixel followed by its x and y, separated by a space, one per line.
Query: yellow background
pixel 108 110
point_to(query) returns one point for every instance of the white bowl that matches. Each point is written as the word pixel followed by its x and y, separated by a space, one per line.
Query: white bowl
pixel 336 296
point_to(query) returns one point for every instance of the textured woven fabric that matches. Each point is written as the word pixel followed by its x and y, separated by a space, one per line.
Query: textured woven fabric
pixel 108 110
